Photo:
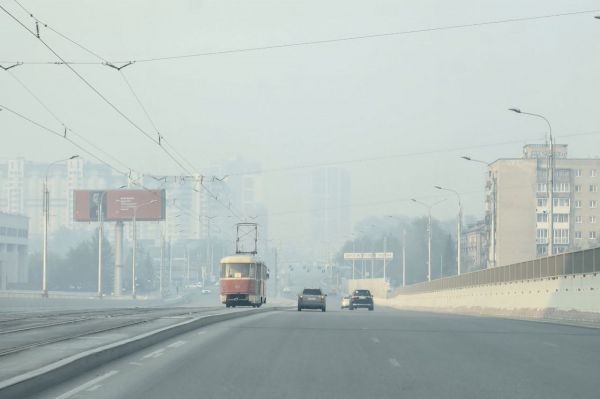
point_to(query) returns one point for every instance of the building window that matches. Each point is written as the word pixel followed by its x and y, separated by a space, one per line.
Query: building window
pixel 542 250
pixel 593 204
pixel 561 201
pixel 592 235
pixel 562 187
pixel 561 236
pixel 578 188
pixel 541 187
pixel 578 172
pixel 561 217
pixel 593 172
pixel 593 188
pixel 541 236
pixel 542 202
pixel 542 217
pixel 592 219
pixel 577 204
pixel 578 235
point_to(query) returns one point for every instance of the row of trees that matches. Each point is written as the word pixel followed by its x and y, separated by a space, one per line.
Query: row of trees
pixel 413 234
pixel 76 269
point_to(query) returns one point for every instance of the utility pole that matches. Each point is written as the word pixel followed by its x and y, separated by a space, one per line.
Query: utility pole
pixel 384 256
pixel 404 257
pixel 46 216
pixel 428 206
pixel 118 257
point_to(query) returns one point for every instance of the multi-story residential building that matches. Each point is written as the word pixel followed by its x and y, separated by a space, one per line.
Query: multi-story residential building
pixel 518 210
pixel 22 185
pixel 14 232
pixel 474 247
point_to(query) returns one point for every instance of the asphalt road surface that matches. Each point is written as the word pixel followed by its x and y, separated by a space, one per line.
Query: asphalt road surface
pixel 356 354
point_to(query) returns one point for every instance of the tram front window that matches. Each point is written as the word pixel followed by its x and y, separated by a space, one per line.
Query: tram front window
pixel 237 270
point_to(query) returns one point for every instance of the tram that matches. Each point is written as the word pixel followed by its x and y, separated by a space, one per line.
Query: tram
pixel 243 281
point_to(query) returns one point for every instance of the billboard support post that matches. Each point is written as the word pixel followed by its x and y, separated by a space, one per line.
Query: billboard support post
pixel 118 257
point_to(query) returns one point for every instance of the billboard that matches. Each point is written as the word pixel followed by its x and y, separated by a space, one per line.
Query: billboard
pixel 118 205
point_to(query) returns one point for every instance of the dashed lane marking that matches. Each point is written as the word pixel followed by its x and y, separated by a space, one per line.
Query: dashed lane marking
pixel 394 362
pixel 375 340
pixel 135 363
pixel 87 385
pixel 155 354
pixel 176 344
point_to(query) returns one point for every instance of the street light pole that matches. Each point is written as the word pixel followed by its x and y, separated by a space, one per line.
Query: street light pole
pixel 549 178
pixel 46 216
pixel 428 206
pixel 458 227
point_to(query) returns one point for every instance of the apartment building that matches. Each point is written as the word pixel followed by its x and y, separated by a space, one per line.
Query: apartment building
pixel 14 232
pixel 518 212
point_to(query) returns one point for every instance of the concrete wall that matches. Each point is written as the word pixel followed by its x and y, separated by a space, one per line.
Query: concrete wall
pixel 563 297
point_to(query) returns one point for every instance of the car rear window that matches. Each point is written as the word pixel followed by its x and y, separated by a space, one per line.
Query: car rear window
pixel 311 291
pixel 362 292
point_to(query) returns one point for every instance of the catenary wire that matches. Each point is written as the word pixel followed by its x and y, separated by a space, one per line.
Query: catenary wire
pixel 332 40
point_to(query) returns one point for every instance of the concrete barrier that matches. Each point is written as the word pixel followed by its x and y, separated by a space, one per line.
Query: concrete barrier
pixel 570 297
pixel 53 374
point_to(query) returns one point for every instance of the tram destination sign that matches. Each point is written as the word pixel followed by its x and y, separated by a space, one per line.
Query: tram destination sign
pixel 368 255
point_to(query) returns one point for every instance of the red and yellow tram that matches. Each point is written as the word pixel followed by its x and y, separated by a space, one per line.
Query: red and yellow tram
pixel 243 281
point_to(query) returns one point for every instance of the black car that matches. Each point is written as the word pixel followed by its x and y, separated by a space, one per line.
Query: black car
pixel 361 299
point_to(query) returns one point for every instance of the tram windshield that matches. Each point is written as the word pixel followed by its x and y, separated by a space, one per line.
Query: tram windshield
pixel 238 270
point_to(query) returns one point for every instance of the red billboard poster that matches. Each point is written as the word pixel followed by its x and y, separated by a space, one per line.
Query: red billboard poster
pixel 119 205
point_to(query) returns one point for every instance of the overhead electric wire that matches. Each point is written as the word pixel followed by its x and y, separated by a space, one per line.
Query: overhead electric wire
pixel 64 125
pixel 93 88
pixel 335 40
pixel 105 99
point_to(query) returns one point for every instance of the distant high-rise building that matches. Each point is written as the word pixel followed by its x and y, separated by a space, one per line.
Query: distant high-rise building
pixel 331 216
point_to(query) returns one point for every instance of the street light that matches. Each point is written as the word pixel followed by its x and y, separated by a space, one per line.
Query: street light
pixel 135 244
pixel 46 215
pixel 428 206
pixel 549 177
pixel 458 226
pixel 467 158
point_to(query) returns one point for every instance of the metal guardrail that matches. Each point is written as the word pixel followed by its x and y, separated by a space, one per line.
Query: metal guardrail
pixel 579 262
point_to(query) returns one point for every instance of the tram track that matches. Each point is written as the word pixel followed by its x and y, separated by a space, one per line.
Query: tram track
pixel 130 317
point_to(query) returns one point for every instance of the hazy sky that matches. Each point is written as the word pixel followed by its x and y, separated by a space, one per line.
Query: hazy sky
pixel 432 93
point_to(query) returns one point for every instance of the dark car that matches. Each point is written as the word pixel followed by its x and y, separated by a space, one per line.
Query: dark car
pixel 311 298
pixel 361 299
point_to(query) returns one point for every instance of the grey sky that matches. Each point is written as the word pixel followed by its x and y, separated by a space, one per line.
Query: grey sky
pixel 313 104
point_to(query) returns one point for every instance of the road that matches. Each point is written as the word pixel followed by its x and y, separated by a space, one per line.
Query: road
pixel 358 354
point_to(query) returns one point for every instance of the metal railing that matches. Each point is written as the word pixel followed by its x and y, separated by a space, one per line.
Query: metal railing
pixel 579 262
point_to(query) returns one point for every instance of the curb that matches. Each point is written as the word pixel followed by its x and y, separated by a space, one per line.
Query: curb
pixel 55 373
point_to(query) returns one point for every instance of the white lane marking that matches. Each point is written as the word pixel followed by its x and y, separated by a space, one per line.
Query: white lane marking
pixel 87 385
pixel 176 344
pixel 375 340
pixel 92 389
pixel 135 364
pixel 394 362
pixel 201 332
pixel 550 344
pixel 155 354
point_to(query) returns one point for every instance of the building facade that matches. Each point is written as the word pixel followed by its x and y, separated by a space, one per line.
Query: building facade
pixel 14 232
pixel 518 212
